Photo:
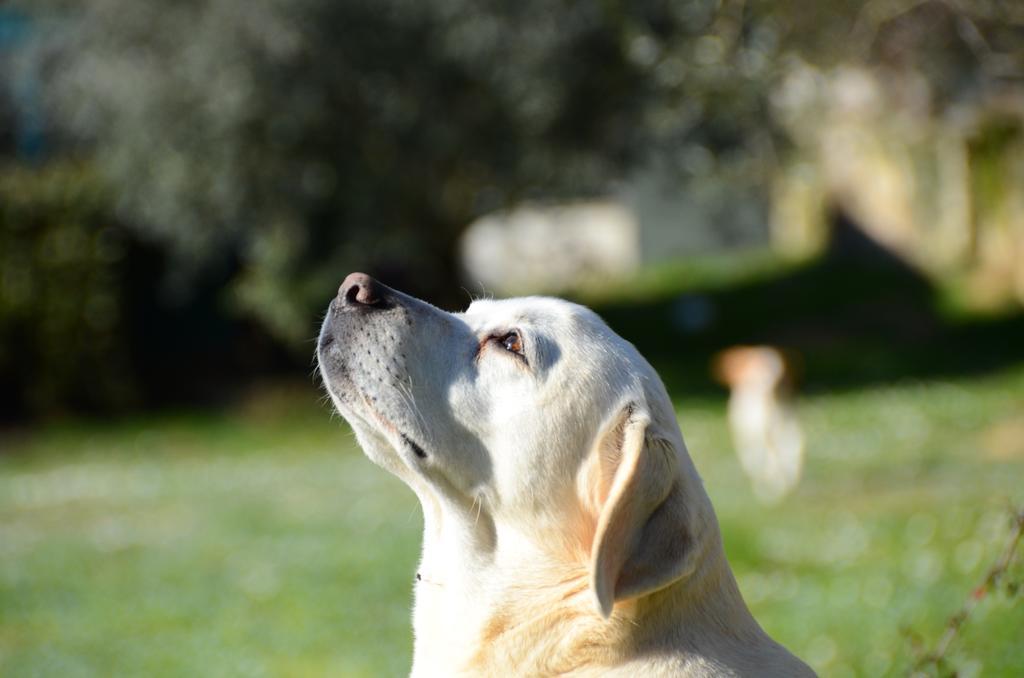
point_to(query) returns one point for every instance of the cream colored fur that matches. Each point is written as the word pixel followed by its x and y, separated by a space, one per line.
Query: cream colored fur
pixel 567 531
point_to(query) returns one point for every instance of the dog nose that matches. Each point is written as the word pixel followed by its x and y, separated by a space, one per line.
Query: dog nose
pixel 359 289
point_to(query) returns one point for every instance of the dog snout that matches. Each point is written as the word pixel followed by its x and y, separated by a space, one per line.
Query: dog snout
pixel 359 290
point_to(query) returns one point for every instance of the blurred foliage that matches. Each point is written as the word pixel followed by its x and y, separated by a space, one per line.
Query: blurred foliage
pixel 260 542
pixel 266 147
pixel 61 329
pixel 305 136
pixel 88 321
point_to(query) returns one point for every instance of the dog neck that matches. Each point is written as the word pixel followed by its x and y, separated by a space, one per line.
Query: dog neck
pixel 488 602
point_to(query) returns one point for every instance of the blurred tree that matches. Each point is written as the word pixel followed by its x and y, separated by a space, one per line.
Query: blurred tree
pixel 62 337
pixel 310 136
pixel 281 143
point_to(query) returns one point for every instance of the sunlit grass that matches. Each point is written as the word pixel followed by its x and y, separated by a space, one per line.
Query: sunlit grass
pixel 253 543
pixel 190 546
pixel 903 508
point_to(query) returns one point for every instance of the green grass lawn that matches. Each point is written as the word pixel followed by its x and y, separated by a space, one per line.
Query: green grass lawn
pixel 248 544
pixel 259 542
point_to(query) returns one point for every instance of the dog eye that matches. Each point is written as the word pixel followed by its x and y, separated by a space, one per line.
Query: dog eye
pixel 512 342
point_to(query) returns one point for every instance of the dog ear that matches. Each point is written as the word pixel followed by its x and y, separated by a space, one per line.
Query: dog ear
pixel 643 541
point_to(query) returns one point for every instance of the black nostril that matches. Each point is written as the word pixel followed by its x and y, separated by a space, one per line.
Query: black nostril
pixel 352 294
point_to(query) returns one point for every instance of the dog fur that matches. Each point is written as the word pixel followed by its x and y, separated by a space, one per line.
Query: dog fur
pixel 566 530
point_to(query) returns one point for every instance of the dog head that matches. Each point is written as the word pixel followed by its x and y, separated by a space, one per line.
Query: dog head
pixel 530 412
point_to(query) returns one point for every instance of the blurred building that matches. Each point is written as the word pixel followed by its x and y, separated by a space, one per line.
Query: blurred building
pixel 655 215
pixel 549 248
pixel 944 190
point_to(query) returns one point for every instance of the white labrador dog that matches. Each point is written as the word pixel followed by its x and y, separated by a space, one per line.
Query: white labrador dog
pixel 566 530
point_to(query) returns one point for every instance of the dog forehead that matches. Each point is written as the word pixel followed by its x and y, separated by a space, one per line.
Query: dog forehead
pixel 564 334
pixel 561 317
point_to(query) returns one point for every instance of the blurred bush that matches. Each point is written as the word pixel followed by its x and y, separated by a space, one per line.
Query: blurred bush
pixel 308 137
pixel 921 143
pixel 91 319
pixel 62 337
pixel 261 149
